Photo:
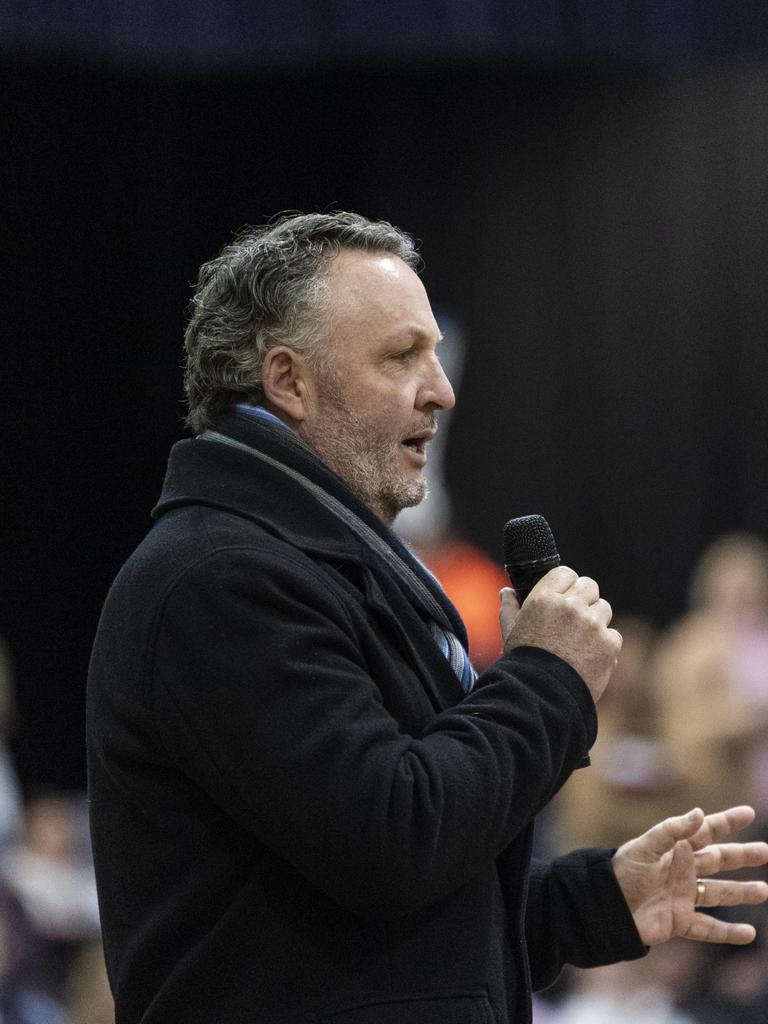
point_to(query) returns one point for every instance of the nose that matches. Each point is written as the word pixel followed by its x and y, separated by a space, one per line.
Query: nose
pixel 436 390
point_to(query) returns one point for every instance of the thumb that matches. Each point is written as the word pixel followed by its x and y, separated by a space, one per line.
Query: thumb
pixel 510 607
pixel 662 837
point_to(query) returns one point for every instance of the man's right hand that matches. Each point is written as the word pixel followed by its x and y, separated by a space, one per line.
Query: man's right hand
pixel 564 614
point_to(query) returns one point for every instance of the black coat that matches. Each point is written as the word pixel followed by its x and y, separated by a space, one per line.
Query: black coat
pixel 297 816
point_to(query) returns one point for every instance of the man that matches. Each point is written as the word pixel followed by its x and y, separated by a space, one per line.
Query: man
pixel 304 805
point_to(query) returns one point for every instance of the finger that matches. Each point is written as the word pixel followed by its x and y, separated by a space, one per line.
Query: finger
pixel 717 827
pixel 720 892
pixel 601 611
pixel 730 857
pixel 585 589
pixel 508 612
pixel 618 640
pixel 710 929
pixel 559 579
pixel 662 837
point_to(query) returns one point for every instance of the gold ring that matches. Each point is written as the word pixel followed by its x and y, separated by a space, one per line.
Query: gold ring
pixel 700 893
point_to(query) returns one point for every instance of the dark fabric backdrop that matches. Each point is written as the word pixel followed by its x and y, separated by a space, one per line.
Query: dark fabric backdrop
pixel 601 235
pixel 251 33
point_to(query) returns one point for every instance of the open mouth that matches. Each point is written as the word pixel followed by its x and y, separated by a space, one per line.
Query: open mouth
pixel 416 444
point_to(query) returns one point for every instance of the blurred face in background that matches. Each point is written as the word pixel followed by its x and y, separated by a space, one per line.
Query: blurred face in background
pixel 50 828
pixel 731 580
pixel 738 590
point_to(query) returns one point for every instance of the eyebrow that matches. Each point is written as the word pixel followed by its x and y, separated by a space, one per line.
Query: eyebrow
pixel 417 334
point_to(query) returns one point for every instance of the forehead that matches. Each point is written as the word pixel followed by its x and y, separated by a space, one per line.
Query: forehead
pixel 376 296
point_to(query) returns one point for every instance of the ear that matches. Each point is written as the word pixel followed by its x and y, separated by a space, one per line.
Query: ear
pixel 285 381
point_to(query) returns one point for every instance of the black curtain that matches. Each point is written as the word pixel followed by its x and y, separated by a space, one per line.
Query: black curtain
pixel 253 33
pixel 601 237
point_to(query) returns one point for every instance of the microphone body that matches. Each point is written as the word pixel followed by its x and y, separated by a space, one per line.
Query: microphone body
pixel 530 552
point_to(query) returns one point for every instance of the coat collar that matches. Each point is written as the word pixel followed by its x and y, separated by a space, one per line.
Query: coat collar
pixel 228 478
pixel 217 475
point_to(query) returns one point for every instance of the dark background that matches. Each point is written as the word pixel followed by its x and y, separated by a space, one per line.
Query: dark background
pixel 590 182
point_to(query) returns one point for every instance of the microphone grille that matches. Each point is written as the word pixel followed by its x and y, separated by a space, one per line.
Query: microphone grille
pixel 527 539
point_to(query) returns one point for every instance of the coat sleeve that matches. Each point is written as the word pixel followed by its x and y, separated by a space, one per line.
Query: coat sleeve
pixel 258 681
pixel 576 914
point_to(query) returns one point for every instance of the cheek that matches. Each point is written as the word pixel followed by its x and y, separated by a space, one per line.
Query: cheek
pixel 391 421
pixel 396 412
pixel 385 412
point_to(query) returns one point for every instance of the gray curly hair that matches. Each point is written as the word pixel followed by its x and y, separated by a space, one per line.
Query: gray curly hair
pixel 268 288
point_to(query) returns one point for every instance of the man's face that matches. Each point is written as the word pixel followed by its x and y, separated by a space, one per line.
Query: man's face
pixel 371 411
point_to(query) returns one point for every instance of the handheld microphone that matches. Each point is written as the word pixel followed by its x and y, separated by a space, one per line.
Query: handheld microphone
pixel 530 552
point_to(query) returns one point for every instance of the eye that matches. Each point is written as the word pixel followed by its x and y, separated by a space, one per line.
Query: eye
pixel 404 355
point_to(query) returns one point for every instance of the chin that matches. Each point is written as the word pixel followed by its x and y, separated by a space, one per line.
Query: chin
pixel 408 496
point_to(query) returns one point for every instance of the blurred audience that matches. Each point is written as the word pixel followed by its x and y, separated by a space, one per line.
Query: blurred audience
pixel 647 991
pixel 683 723
pixel 48 874
pixel 21 1001
pixel 10 794
pixel 734 987
pixel 88 996
pixel 712 679
pixel 631 783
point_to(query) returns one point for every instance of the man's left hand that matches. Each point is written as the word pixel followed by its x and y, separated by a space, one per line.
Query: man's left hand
pixel 666 877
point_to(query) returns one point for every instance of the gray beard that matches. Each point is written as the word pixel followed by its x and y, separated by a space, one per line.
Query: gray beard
pixel 366 462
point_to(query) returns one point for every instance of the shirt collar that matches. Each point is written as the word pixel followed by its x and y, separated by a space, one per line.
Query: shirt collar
pixel 258 412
